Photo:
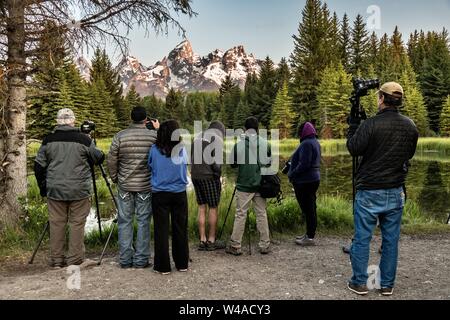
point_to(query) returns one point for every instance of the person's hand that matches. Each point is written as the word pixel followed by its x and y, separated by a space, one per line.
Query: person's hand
pixel 155 123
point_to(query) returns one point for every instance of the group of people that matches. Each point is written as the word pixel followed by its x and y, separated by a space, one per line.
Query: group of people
pixel 150 169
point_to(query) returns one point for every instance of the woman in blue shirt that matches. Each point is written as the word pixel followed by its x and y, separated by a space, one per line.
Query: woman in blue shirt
pixel 168 165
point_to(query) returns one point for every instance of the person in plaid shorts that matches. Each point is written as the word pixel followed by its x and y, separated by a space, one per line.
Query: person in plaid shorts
pixel 206 173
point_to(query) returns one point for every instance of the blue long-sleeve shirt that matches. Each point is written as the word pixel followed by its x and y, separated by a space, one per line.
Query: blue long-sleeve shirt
pixel 168 174
pixel 305 163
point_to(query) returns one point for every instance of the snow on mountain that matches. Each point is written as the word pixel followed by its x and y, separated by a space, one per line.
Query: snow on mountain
pixel 184 70
pixel 84 66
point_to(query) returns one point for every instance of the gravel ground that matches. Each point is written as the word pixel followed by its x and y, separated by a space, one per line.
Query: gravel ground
pixel 290 272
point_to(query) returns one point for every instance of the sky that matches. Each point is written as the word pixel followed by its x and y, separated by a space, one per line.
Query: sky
pixel 265 27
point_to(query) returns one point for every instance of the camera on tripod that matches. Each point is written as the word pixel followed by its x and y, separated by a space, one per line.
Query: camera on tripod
pixel 87 127
pixel 362 86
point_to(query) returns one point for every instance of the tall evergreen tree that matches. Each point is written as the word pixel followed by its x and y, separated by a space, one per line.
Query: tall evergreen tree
pixel 282 114
pixel 435 78
pixel 102 110
pixel 345 42
pixel 334 91
pixel 445 119
pixel 267 85
pixel 309 59
pixel 359 46
pixel 241 114
pixel 283 73
pixel 174 106
pixel 229 98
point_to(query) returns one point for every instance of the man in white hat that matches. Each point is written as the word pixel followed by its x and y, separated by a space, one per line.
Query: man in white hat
pixel 385 143
pixel 63 173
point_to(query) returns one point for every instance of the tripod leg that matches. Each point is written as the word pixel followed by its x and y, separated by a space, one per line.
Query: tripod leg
pixel 107 242
pixel 96 203
pixel 47 226
pixel 226 217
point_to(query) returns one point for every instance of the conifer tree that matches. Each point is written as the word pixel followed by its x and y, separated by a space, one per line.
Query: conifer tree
pixel 334 91
pixel 345 42
pixel 241 114
pixel 174 106
pixel 283 73
pixel 282 114
pixel 359 46
pixel 267 89
pixel 445 119
pixel 309 59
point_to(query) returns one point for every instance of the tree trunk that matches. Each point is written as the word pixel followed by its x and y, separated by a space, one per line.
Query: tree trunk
pixel 13 157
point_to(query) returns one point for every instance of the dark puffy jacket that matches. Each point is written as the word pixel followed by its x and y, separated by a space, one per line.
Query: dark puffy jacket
pixel 128 157
pixel 386 143
pixel 62 165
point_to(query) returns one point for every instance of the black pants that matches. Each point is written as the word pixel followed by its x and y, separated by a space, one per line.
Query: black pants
pixel 175 206
pixel 306 197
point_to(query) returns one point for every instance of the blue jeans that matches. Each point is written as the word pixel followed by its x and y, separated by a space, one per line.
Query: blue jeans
pixel 387 206
pixel 131 203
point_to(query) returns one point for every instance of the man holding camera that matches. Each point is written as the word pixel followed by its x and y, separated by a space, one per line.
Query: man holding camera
pixel 386 143
pixel 127 165
pixel 249 156
pixel 63 172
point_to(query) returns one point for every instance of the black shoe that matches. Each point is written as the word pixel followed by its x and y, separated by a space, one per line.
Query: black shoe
pixel 359 290
pixel 202 246
pixel 126 266
pixel 387 292
pixel 264 251
pixel 346 249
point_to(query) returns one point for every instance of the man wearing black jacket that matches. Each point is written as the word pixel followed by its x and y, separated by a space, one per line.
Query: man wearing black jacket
pixel 385 144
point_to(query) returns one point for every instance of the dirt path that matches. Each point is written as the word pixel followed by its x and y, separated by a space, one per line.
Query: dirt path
pixel 289 272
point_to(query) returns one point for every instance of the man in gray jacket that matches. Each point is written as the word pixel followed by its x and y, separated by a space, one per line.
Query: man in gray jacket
pixel 63 172
pixel 127 165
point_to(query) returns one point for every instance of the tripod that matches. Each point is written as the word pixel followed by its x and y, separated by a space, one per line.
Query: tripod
pixel 247 223
pixel 359 114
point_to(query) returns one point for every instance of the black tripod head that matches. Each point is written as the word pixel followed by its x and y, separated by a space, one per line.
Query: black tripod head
pixel 361 89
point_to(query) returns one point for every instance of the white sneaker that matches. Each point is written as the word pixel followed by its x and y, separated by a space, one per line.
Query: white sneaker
pixel 306 242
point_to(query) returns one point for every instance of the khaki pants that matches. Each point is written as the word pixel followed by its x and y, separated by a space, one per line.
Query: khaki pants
pixel 243 201
pixel 60 213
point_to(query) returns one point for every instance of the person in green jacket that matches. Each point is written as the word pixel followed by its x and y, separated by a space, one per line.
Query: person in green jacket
pixel 246 157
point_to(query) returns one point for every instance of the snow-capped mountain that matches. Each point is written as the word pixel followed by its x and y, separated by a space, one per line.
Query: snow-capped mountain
pixel 84 66
pixel 185 70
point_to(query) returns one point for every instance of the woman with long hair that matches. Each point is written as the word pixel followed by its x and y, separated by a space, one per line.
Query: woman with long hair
pixel 168 165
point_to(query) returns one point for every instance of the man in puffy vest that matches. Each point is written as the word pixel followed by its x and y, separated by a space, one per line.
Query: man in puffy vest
pixel 127 165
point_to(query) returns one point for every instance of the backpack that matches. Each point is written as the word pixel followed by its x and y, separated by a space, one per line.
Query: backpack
pixel 270 187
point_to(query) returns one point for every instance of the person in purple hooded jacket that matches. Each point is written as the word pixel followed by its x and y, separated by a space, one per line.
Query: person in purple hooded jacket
pixel 304 174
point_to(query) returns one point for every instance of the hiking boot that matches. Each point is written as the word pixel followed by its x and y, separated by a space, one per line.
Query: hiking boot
pixel 233 251
pixel 300 237
pixel 264 251
pixel 387 292
pixel 361 290
pixel 213 246
pixel 306 242
pixel 202 246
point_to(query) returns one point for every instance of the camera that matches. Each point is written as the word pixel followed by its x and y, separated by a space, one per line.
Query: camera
pixel 362 86
pixel 87 127
pixel 149 124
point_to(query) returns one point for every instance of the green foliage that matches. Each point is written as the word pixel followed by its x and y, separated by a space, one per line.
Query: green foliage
pixel 229 98
pixel 174 106
pixel 334 92
pixel 101 109
pixel 445 119
pixel 282 114
pixel 359 46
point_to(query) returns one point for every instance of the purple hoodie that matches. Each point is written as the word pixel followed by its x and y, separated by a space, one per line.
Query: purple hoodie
pixel 308 131
pixel 305 163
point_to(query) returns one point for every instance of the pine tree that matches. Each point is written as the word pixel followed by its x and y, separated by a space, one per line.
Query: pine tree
pixel 445 119
pixel 101 109
pixel 267 85
pixel 334 91
pixel 372 55
pixel 102 68
pixel 359 46
pixel 309 59
pixel 413 103
pixel 154 106
pixel 241 114
pixel 174 106
pixel 435 78
pixel 345 42
pixel 228 101
pixel 282 114
pixel 283 73
pixel 383 59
